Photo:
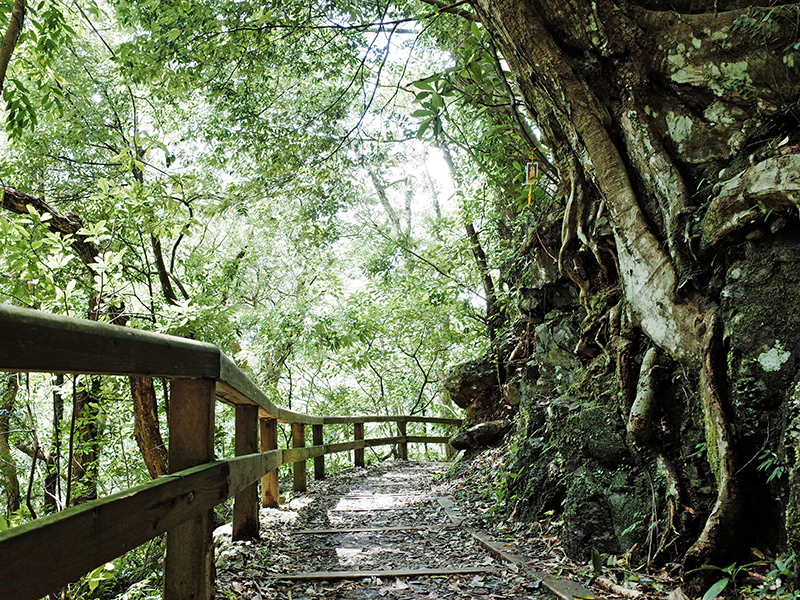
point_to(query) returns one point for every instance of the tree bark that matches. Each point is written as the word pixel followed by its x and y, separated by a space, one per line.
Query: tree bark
pixel 146 428
pixel 15 23
pixel 8 466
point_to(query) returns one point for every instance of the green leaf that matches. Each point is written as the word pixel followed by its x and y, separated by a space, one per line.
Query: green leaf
pixel 422 95
pixel 423 127
pixel 475 29
pixel 715 589
pixel 597 562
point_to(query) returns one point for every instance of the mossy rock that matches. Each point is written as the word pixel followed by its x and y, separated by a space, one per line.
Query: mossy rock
pixel 604 510
pixel 589 431
pixel 761 308
pixel 588 517
pixel 557 365
pixel 535 480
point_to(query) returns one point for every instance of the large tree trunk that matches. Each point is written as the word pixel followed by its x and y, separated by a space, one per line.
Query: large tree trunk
pixel 642 105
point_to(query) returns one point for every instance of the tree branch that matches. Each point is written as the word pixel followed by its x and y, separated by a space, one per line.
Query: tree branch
pixel 18 202
pixel 10 39
pixel 454 9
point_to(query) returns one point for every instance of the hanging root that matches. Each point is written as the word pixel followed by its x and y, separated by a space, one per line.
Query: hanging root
pixel 574 214
pixel 721 528
pixel 667 471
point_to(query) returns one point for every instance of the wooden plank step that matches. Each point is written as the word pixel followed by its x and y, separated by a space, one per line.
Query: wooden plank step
pixel 380 495
pixel 388 573
pixel 372 509
pixel 450 508
pixel 362 529
pixel 501 550
pixel 562 588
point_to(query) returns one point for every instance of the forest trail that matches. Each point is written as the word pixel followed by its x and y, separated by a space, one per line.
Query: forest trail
pixel 388 531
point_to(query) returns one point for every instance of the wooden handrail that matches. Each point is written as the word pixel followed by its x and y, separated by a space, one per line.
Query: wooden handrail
pixel 62 547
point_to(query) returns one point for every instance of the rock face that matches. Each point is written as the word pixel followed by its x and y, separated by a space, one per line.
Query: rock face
pixel 469 382
pixel 571 454
pixel 571 459
pixel 482 435
pixel 475 387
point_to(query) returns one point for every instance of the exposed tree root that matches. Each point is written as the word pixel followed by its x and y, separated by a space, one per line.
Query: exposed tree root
pixel 573 214
pixel 616 588
pixel 721 527
pixel 639 434
pixel 640 419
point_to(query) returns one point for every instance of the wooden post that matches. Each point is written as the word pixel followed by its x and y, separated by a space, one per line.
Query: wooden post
pixel 299 468
pixel 269 483
pixel 449 451
pixel 403 427
pixel 358 434
pixel 319 461
pixel 245 504
pixel 189 563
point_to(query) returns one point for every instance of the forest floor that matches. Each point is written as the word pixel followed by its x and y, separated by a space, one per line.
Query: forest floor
pixel 404 517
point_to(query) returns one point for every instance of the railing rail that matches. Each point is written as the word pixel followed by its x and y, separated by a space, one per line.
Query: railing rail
pixel 42 556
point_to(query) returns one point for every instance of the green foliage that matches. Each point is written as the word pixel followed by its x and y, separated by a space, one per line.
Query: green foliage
pixel 239 137
pixel 597 562
pixel 102 574
pixel 771 465
pixel 716 589
pixel 32 84
pixel 761 579
pixel 699 450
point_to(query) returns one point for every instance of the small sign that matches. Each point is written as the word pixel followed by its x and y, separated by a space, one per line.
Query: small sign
pixel 531 173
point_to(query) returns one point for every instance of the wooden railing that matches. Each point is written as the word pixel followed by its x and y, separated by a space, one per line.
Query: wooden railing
pixel 43 555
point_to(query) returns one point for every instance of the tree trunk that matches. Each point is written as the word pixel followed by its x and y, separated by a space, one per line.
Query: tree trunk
pixel 641 105
pixel 380 190
pixel 494 315
pixel 8 466
pixel 163 274
pixel 88 441
pixel 15 23
pixel 53 459
pixel 146 428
